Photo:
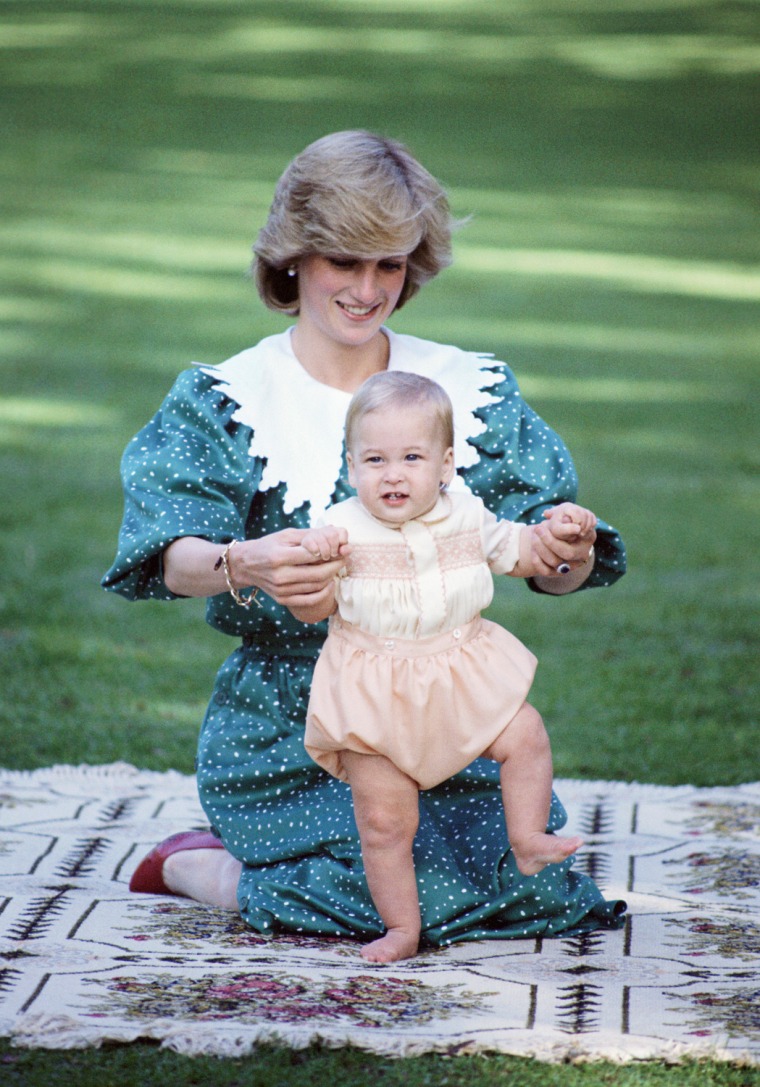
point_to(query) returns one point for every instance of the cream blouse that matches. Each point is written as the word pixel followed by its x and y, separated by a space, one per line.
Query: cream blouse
pixel 427 576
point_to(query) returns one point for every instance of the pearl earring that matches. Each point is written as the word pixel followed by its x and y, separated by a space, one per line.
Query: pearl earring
pixel 292 270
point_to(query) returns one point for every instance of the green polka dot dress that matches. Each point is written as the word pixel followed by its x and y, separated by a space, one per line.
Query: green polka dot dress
pixel 254 446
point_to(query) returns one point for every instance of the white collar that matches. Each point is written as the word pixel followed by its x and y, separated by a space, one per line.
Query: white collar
pixel 440 512
pixel 297 422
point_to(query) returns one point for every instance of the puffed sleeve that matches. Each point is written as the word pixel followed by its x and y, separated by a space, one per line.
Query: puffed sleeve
pixel 187 473
pixel 501 542
pixel 524 467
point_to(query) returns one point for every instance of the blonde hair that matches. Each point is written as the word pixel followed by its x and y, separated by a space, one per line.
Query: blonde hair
pixel 352 194
pixel 399 389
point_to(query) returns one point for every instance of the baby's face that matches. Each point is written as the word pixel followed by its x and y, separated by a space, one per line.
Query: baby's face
pixel 398 462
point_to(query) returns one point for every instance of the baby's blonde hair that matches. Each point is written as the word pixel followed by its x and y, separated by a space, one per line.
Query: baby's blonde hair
pixel 399 389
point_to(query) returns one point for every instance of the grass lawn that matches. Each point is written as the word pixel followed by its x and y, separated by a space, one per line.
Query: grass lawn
pixel 607 155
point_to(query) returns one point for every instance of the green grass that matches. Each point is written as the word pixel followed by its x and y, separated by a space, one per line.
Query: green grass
pixel 147 1066
pixel 607 154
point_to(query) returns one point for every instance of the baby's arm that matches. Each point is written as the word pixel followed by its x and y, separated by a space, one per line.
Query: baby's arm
pixel 323 544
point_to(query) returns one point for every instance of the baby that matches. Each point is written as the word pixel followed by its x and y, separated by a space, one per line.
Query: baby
pixel 412 684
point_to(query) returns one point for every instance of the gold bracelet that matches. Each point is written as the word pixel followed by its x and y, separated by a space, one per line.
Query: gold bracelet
pixel 224 562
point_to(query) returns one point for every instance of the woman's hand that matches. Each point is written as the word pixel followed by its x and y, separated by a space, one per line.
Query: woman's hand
pixel 564 539
pixel 562 548
pixel 278 564
pixel 288 565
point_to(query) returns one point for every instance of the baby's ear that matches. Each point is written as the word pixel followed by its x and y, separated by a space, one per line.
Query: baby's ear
pixel 447 469
pixel 351 473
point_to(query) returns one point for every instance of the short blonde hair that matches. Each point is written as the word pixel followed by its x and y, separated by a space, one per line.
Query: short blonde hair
pixel 352 194
pixel 399 389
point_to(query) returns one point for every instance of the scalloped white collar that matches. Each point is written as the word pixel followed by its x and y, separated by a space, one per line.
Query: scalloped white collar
pixel 297 422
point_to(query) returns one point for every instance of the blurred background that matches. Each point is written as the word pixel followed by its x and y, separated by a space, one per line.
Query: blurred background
pixel 606 152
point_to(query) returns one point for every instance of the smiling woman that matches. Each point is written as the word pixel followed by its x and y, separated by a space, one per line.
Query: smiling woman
pixel 343 303
pixel 221 488
pixel 320 207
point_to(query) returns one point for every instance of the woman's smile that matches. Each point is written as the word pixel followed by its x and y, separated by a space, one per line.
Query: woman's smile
pixel 358 312
pixel 342 296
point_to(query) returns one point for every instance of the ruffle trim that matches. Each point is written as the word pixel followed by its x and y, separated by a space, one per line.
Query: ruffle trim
pixel 277 398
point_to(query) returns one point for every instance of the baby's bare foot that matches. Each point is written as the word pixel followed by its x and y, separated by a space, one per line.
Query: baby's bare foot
pixel 396 944
pixel 538 850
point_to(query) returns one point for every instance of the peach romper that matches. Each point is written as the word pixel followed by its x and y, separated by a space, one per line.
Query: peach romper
pixel 409 669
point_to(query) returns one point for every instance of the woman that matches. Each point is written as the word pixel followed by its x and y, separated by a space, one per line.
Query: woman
pixel 221 486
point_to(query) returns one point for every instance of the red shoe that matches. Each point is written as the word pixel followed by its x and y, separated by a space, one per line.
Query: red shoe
pixel 147 878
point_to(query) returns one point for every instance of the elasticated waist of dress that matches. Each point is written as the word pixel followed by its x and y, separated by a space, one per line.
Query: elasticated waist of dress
pixel 406 647
pixel 281 647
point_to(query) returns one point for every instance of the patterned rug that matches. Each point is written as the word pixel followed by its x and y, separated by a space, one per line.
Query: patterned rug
pixel 83 962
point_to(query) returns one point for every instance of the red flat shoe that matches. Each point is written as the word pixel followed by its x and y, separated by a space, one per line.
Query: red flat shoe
pixel 148 879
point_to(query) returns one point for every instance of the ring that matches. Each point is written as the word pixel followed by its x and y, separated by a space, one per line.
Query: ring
pixel 563 568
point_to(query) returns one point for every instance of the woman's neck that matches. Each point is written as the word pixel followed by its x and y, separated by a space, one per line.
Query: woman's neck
pixel 342 366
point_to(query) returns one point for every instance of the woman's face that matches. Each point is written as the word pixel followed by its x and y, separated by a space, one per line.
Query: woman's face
pixel 347 299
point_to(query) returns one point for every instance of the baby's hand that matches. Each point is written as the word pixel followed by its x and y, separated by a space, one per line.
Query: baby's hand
pixel 568 521
pixel 326 543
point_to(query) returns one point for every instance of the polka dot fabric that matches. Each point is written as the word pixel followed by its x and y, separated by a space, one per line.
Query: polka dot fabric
pixel 189 472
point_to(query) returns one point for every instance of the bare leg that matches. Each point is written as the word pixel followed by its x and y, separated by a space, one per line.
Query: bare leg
pixel 524 752
pixel 209 876
pixel 386 806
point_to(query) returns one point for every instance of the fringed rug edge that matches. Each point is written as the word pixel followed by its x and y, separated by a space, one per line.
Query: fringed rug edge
pixel 128 773
pixel 61 1032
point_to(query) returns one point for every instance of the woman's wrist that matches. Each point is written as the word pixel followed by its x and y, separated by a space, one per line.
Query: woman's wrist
pixel 224 562
pixel 194 567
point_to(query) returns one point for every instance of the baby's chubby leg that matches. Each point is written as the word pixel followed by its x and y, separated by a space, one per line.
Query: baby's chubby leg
pixel 386 806
pixel 524 752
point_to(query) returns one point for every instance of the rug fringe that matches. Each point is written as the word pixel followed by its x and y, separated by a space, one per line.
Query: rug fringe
pixel 43 1031
pixel 121 771
pixel 124 771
